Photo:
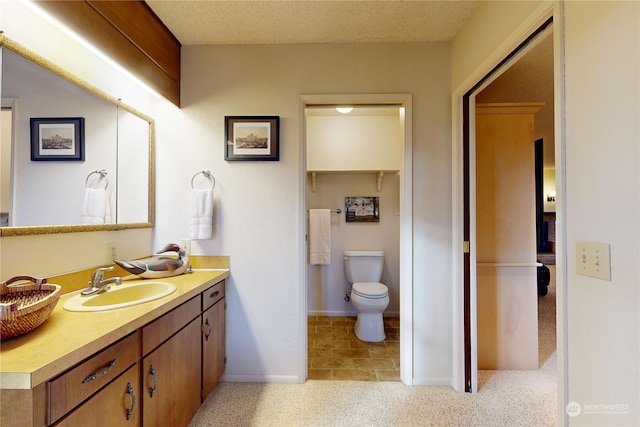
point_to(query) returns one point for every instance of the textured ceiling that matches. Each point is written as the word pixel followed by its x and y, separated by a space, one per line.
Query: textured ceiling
pixel 212 22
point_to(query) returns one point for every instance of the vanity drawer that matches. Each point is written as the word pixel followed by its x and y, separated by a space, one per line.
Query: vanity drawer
pixel 69 389
pixel 158 331
pixel 212 295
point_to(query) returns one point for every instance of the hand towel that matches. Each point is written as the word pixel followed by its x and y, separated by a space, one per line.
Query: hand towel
pixel 95 207
pixel 201 214
pixel 319 236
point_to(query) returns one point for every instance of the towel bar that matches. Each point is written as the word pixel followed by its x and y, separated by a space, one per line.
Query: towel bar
pixel 102 173
pixel 207 175
pixel 338 211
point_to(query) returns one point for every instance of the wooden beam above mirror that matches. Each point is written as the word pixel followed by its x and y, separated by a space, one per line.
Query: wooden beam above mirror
pixel 131 34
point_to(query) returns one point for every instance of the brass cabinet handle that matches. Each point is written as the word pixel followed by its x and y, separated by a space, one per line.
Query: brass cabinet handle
pixel 152 390
pixel 129 392
pixel 101 373
pixel 207 329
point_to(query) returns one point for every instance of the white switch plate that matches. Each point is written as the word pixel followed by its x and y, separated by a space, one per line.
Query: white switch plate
pixel 593 259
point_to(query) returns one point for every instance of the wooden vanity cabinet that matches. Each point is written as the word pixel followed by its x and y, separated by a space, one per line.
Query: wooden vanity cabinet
pixel 213 337
pixel 171 371
pixel 157 375
pixel 115 403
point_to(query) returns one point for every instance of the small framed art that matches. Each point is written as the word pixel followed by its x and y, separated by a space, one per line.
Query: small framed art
pixel 362 209
pixel 57 138
pixel 252 138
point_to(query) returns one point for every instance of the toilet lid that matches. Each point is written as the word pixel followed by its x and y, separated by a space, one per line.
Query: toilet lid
pixel 370 289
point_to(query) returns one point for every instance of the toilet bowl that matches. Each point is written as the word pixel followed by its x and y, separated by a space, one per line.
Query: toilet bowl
pixel 369 297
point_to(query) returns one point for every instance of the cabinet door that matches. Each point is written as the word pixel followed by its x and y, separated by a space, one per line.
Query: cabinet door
pixel 76 385
pixel 118 404
pixel 213 346
pixel 172 379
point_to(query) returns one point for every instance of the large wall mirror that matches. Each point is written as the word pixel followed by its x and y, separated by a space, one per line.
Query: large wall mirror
pixel 55 179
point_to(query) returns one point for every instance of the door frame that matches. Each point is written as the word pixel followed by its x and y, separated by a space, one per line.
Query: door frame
pixel 8 148
pixel 463 197
pixel 402 100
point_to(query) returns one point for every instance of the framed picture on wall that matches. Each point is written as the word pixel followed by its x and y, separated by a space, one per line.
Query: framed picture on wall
pixel 362 209
pixel 252 138
pixel 57 138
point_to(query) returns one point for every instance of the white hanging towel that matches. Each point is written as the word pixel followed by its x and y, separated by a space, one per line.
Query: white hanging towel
pixel 319 236
pixel 201 214
pixel 95 207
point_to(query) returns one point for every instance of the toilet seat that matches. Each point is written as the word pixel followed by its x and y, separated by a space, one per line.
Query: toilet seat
pixel 372 290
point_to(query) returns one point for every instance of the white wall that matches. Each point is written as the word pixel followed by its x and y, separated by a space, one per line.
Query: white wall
pixel 257 203
pixel 602 69
pixel 133 180
pixel 366 139
pixel 487 31
pixel 327 284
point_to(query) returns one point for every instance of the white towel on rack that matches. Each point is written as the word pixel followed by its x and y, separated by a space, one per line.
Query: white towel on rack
pixel 201 214
pixel 95 207
pixel 319 236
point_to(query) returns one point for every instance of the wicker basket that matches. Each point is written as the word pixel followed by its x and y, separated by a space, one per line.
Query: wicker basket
pixel 25 307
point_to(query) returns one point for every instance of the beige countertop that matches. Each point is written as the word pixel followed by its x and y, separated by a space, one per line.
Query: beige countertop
pixel 67 338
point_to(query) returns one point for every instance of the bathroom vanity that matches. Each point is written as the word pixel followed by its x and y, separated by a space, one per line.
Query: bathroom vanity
pixel 149 364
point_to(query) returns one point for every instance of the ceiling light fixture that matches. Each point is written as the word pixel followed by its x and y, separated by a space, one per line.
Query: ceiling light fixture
pixel 344 110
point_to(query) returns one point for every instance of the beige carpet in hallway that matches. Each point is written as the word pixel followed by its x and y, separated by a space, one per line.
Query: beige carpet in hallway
pixel 505 398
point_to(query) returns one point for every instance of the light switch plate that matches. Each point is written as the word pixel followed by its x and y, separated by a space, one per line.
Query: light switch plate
pixel 593 259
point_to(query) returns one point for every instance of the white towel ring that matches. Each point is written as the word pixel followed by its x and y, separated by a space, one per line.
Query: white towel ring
pixel 102 173
pixel 207 175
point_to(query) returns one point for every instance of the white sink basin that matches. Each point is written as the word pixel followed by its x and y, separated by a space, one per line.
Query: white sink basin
pixel 120 296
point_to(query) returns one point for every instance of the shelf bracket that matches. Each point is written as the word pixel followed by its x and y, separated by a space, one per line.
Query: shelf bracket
pixel 313 181
pixel 380 175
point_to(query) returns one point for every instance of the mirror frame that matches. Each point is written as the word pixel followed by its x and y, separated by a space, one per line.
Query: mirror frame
pixel 15 47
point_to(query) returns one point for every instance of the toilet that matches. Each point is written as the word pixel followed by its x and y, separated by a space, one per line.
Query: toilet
pixel 369 297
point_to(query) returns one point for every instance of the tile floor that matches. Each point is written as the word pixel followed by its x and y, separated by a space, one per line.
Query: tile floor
pixel 335 353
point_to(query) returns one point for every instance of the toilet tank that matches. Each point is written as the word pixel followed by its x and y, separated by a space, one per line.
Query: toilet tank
pixel 363 266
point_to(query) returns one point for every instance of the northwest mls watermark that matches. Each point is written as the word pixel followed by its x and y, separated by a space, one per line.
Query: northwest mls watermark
pixel 574 409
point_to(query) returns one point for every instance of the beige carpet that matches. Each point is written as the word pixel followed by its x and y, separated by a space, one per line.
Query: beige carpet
pixel 505 398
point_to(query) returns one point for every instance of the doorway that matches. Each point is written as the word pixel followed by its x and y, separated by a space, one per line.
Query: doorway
pixel 6 161
pixel 377 180
pixel 470 198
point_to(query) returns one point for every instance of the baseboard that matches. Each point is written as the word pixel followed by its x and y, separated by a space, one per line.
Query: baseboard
pixel 292 379
pixel 433 381
pixel 331 313
pixel 279 379
pixel 347 313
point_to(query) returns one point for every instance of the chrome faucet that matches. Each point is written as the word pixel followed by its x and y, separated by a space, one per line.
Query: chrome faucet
pixel 99 284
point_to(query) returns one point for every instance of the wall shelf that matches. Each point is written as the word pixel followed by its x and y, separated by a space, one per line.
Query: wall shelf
pixel 378 173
